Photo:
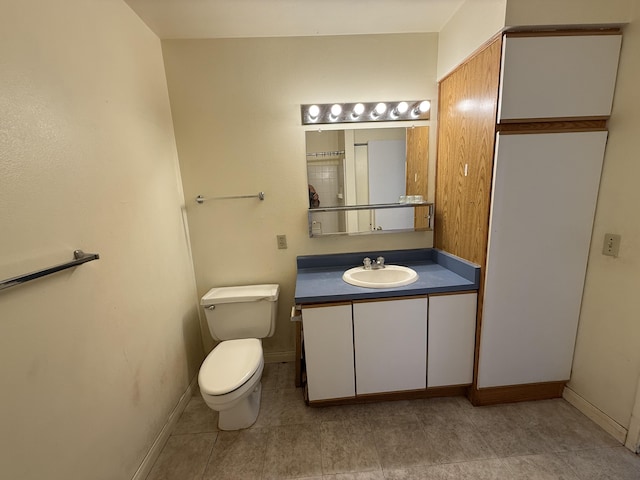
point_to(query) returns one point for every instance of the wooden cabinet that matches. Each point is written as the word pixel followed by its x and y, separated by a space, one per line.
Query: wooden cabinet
pixel 390 340
pixel 522 132
pixel 328 343
pixel 452 335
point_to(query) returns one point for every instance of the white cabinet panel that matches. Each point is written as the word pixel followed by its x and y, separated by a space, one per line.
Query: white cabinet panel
pixel 328 343
pixel 452 337
pixel 390 345
pixel 544 196
pixel 562 76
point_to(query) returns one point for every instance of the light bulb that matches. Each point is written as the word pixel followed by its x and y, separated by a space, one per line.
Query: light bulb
pixel 379 110
pixel 314 111
pixel 400 109
pixel 336 110
pixel 424 106
pixel 358 110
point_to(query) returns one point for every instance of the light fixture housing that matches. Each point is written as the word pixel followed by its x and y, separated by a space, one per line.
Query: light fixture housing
pixel 325 113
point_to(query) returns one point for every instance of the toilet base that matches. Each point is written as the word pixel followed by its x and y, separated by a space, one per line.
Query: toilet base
pixel 242 415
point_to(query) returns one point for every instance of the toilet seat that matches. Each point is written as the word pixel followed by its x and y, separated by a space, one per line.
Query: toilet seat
pixel 230 365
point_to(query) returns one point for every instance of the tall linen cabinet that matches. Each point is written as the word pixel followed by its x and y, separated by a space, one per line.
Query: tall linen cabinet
pixel 521 140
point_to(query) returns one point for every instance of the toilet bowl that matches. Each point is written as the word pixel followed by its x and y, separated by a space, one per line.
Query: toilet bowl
pixel 229 381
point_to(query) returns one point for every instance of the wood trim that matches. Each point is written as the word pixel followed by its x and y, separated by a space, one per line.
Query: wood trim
pixel 298 361
pixel 516 393
pixel 562 32
pixel 555 126
pixel 444 294
pixel 450 391
pixel 320 305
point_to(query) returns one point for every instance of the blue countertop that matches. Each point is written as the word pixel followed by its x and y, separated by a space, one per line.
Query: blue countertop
pixel 319 278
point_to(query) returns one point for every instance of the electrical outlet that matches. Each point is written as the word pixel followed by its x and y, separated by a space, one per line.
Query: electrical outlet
pixel 282 241
pixel 611 245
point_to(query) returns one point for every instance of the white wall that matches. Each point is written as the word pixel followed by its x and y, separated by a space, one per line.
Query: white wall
pixel 236 109
pixel 93 359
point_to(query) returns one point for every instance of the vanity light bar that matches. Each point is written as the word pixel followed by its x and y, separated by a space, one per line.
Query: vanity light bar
pixel 326 113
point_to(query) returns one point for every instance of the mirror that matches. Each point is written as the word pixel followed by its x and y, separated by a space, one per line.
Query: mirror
pixel 373 166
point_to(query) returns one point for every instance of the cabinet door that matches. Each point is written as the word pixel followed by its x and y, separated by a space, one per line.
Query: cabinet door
pixel 328 343
pixel 452 336
pixel 545 192
pixel 468 100
pixel 558 77
pixel 390 339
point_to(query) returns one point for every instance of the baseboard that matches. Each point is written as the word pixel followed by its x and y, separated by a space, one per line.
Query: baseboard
pixel 633 437
pixel 601 419
pixel 516 393
pixel 277 357
pixel 158 444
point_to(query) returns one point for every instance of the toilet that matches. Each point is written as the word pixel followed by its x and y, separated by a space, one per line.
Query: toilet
pixel 229 378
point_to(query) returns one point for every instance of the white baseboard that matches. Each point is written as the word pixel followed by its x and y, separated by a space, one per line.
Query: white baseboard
pixel 607 423
pixel 158 444
pixel 633 438
pixel 277 357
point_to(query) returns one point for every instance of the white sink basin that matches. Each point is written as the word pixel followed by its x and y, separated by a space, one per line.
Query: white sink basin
pixel 387 277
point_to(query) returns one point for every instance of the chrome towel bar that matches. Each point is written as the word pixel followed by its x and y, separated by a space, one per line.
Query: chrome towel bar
pixel 79 257
pixel 200 199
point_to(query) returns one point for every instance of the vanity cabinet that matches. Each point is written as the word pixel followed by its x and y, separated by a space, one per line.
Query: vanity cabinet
pixel 522 133
pixel 400 346
pixel 328 344
pixel 390 343
pixel 451 339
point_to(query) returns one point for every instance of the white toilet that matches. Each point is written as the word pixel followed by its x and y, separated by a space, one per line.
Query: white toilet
pixel 229 377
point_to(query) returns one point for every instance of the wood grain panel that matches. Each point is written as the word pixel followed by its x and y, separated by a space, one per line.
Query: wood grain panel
pixel 517 393
pixel 417 161
pixel 453 391
pixel 532 32
pixel 466 137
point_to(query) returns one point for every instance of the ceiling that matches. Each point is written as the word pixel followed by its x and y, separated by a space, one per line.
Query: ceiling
pixel 278 18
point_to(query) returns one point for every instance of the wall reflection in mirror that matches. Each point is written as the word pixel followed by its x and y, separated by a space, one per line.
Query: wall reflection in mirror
pixel 375 166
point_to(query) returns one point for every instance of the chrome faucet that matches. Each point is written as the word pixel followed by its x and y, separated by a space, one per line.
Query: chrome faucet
pixel 371 265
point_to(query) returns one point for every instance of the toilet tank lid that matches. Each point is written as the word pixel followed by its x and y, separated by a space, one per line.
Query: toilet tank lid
pixel 243 293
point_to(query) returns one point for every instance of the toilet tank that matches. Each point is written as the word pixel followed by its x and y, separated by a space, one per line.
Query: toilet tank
pixel 247 311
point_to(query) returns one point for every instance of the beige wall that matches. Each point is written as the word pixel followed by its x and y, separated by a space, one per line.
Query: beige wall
pixel 93 359
pixel 606 366
pixel 475 22
pixel 236 109
pixel 567 12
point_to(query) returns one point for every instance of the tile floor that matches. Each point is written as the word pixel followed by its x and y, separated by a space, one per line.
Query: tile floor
pixel 419 439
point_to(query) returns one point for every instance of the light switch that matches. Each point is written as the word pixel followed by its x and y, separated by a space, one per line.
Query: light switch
pixel 282 241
